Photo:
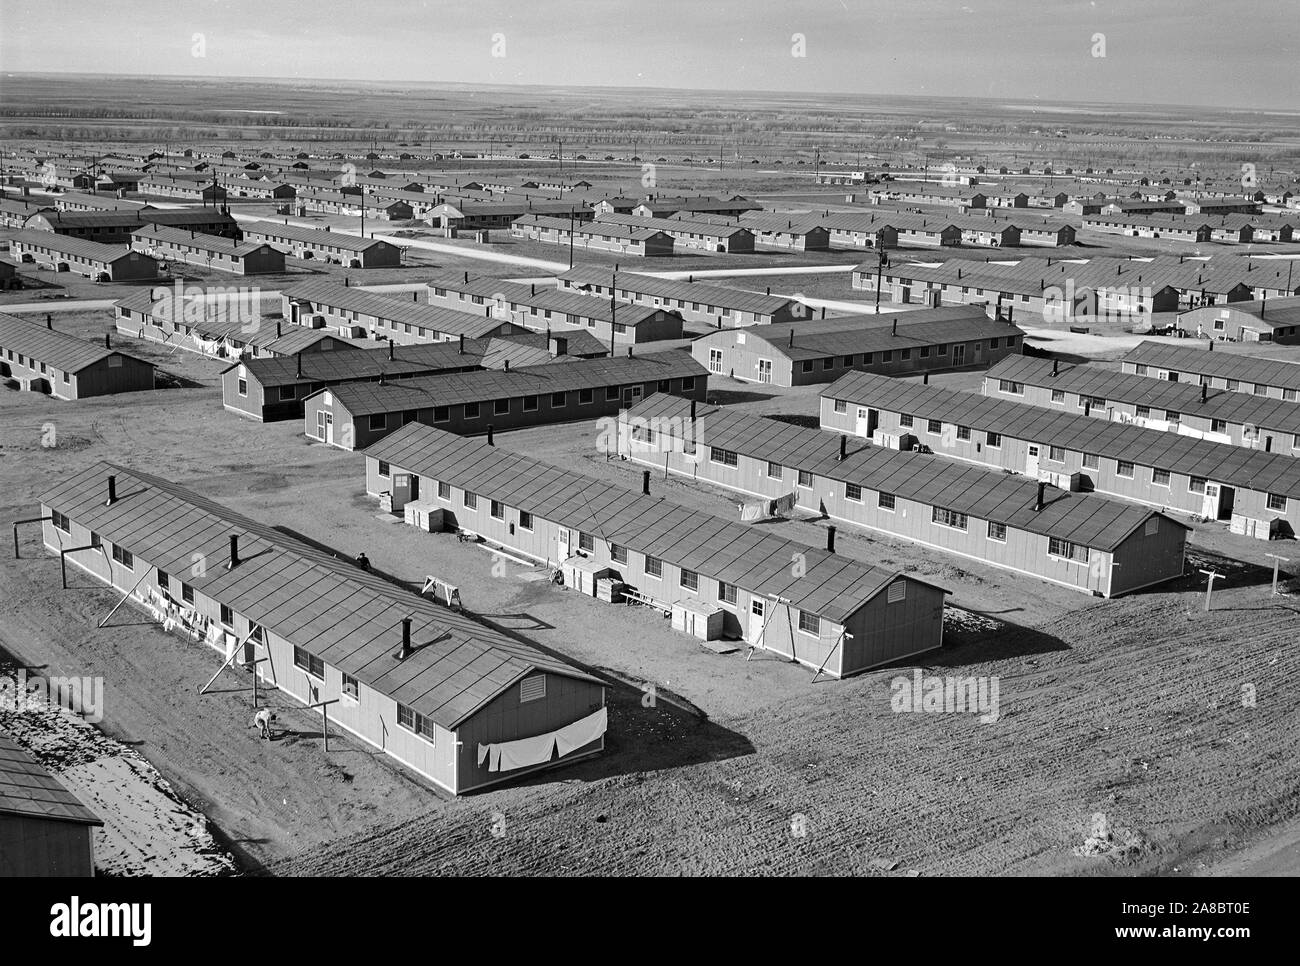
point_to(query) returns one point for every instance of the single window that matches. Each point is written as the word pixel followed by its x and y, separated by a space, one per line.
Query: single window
pixel 1196 484
pixel 963 432
pixel 61 522
pixel 809 623
pixel 558 400
pixel 586 396
pixel 470 500
pixel 852 491
pixel 654 567
pixel 378 421
pixel 123 556
pixel 1160 477
pixel 724 456
pixel 998 532
pixel 308 662
pixel 993 440
pixel 286 393
pixel 617 553
pixel 805 479
pixel 586 542
pixel 1276 501
pixel 500 407
pixel 243 387
pixel 498 510
pixel 690 579
pixel 1124 468
pixel 726 592
pixel 525 520
pixel 1011 387
pixel 776 471
pixel 948 518
pixel 444 490
pixel 384 470
pixel 1152 527
pixel 1058 396
pixel 612 393
pixel 885 501
pixel 471 411
pixel 187 593
pixel 1056 454
pixel 351 688
pixel 934 426
pixel 841 405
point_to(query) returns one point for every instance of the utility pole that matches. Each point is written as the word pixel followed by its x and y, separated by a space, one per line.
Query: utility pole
pixel 880 270
pixel 571 216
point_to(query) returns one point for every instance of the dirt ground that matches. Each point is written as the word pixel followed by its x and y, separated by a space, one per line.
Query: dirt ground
pixel 1132 708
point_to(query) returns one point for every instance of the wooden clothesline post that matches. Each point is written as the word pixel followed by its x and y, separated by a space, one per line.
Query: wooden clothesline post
pixel 1209 586
pixel 1276 561
pixel 325 718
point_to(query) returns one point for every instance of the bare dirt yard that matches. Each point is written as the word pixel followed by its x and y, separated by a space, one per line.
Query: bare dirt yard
pixel 1176 725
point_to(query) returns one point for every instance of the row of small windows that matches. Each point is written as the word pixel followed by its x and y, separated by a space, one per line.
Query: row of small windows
pixel 1233 385
pixel 502 407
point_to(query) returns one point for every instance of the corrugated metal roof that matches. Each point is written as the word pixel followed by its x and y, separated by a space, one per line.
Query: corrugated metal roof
pixel 1179 397
pixel 1084 518
pixel 1240 467
pixel 1274 313
pixel 27 788
pixel 363 399
pixel 349 618
pixel 833 586
pixel 54 348
pixel 1223 365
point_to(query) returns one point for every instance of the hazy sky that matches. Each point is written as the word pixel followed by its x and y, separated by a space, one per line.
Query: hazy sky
pixel 1236 53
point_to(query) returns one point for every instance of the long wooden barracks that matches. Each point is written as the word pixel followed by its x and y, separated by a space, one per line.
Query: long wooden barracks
pixel 354 415
pixel 824 610
pixel 1258 492
pixel 821 350
pixel 1273 378
pixel 713 305
pixel 459 703
pixel 45 360
pixel 1236 418
pixel 1083 541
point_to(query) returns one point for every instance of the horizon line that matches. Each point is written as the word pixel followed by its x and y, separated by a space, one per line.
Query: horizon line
pixel 657 88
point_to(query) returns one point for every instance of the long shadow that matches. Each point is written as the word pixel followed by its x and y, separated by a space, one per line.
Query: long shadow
pixel 642 739
pixel 534 623
pixel 728 397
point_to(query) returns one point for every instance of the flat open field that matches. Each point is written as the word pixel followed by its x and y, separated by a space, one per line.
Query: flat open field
pixel 1132 708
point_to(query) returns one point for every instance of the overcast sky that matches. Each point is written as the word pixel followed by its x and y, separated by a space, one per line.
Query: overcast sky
pixel 1233 53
